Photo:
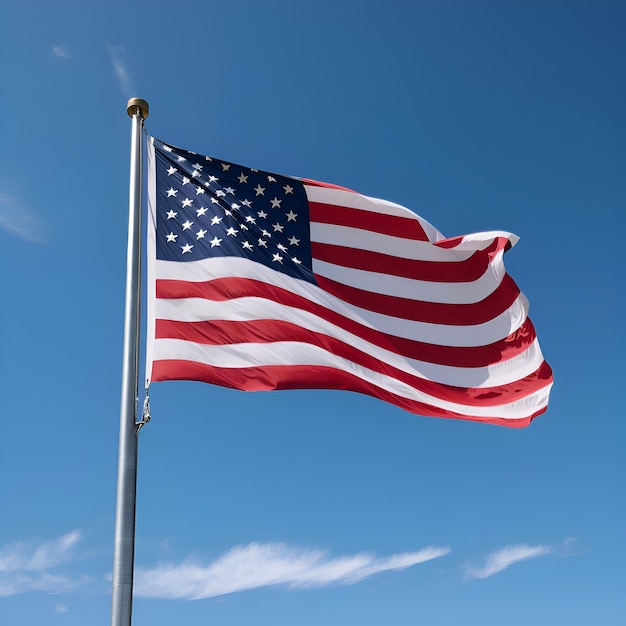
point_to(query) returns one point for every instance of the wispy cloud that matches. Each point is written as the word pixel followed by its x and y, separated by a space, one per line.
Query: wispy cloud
pixel 60 51
pixel 121 71
pixel 60 608
pixel 26 565
pixel 17 220
pixel 262 565
pixel 499 560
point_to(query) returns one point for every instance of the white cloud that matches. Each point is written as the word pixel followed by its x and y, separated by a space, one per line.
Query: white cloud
pixel 25 565
pixel 121 72
pixel 60 608
pixel 60 51
pixel 499 560
pixel 17 220
pixel 28 556
pixel 262 565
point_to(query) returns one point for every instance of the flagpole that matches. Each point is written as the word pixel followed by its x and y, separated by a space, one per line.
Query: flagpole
pixel 124 546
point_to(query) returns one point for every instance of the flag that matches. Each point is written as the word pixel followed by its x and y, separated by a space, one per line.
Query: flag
pixel 258 281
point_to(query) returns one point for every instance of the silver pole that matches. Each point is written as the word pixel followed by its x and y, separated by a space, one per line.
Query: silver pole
pixel 124 548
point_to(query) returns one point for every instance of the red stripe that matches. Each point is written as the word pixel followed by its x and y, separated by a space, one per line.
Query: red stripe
pixel 475 356
pixel 453 242
pixel 268 378
pixel 405 227
pixel 464 271
pixel 493 305
pixel 220 332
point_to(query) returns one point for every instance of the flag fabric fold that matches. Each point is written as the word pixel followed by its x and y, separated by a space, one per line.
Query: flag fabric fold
pixel 259 281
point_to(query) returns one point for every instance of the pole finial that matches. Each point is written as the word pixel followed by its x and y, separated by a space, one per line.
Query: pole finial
pixel 135 103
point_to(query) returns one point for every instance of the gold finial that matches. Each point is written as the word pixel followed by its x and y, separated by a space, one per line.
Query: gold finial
pixel 137 103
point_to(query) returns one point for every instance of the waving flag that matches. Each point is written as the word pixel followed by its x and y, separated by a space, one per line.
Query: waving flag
pixel 259 281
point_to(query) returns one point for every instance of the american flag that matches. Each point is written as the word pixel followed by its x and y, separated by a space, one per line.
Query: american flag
pixel 258 281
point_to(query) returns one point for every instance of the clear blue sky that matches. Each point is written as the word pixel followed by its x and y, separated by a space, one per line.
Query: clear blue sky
pixel 478 115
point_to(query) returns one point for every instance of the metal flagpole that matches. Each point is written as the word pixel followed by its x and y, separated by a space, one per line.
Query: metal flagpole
pixel 124 548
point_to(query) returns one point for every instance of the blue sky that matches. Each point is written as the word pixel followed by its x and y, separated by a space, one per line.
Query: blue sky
pixel 311 507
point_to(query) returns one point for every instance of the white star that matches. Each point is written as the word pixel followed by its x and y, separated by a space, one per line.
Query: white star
pixel 187 225
pixel 247 245
pixel 291 216
pixel 171 170
pixel 166 148
pixel 229 190
pixel 219 193
pixel 186 248
pixel 259 190
pixel 201 211
pixel 232 231
pixel 262 214
pixel 186 202
pixel 277 257
pixel 197 166
pixel 199 190
pixel 208 158
pixel 200 234
pixel 265 233
pixel 195 174
pixel 216 220
pixel 271 179
pixel 246 203
pixel 215 201
pixel 213 179
pixel 171 215
pixel 275 203
pixel 225 166
pixel 250 219
pixel 227 212
pixel 263 243
pixel 234 206
pixel 296 260
pixel 171 237
pixel 278 227
pixel 288 189
pixel 294 241
pixel 185 180
pixel 181 159
pixel 281 247
pixel 243 178
pixel 215 242
pixel 244 227
pixel 172 192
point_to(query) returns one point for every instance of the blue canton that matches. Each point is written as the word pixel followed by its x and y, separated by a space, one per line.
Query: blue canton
pixel 210 208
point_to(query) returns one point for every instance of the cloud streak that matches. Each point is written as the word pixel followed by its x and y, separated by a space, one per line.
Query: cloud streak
pixel 265 565
pixel 120 69
pixel 17 220
pixel 25 565
pixel 60 51
pixel 499 560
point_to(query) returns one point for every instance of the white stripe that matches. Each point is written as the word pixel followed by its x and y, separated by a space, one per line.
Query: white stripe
pixel 285 353
pixel 353 200
pixel 411 289
pixel 386 244
pixel 252 308
pixel 484 334
pixel 463 336
pixel 480 241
